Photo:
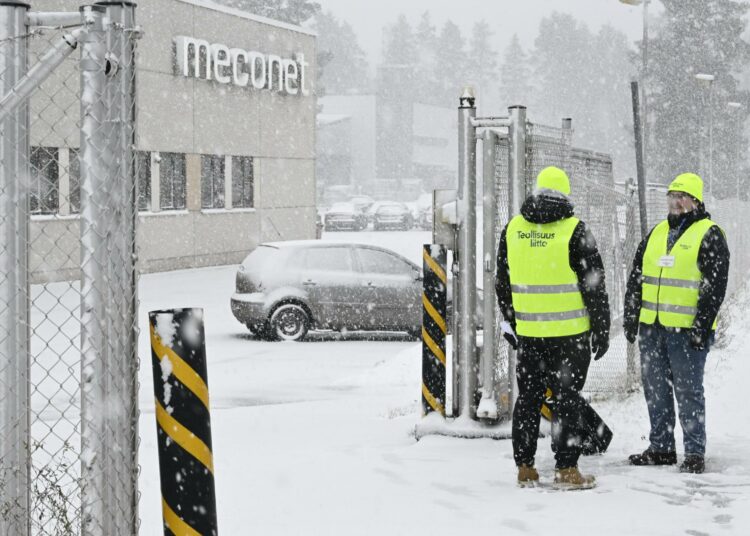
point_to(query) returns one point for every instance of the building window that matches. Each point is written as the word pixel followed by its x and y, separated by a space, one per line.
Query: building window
pixel 143 175
pixel 74 174
pixel 45 177
pixel 172 181
pixel 212 181
pixel 242 182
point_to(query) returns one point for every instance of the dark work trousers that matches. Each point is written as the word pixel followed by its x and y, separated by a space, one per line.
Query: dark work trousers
pixel 560 363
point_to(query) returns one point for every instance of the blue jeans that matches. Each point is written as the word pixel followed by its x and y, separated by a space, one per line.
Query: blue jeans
pixel 671 368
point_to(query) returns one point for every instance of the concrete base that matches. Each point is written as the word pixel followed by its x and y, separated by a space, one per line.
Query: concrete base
pixel 435 424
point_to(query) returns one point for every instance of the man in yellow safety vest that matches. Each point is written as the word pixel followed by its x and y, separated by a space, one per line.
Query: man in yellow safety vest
pixel 551 291
pixel 676 287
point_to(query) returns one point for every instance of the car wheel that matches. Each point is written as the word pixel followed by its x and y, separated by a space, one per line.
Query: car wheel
pixel 289 322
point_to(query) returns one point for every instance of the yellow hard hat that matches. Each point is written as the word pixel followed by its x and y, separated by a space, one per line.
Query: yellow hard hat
pixel 553 178
pixel 689 183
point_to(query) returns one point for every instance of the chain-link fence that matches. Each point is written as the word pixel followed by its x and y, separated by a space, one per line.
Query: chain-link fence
pixel 732 215
pixel 605 210
pixel 68 357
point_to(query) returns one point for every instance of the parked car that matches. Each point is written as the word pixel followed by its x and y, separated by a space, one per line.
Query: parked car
pixel 423 218
pixel 392 215
pixel 362 202
pixel 345 216
pixel 285 289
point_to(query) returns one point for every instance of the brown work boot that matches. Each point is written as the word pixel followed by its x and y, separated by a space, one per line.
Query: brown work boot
pixel 527 476
pixel 571 478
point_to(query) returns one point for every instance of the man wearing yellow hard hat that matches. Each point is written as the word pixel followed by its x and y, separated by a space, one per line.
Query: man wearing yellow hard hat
pixel 551 291
pixel 676 287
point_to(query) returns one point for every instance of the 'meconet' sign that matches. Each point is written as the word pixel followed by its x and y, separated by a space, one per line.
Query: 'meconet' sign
pixel 200 59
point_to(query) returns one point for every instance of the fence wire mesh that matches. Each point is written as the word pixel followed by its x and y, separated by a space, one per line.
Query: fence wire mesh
pixel 76 200
pixel 605 210
pixel 732 215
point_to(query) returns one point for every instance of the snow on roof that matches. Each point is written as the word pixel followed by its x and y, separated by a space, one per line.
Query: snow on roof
pixel 209 4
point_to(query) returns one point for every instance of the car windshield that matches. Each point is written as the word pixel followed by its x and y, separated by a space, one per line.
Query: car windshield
pixel 391 209
pixel 342 207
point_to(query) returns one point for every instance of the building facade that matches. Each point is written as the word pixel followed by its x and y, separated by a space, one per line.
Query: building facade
pixel 225 126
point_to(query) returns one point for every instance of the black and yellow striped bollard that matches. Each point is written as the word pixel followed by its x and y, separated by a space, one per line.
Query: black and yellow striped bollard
pixel 434 328
pixel 186 468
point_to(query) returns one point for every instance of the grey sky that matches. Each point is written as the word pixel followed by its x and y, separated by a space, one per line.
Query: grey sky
pixel 507 16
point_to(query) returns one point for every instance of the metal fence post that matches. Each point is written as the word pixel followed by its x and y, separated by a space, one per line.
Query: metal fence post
pixel 516 196
pixel 122 255
pixel 631 239
pixel 102 414
pixel 15 454
pixel 488 405
pixel 467 230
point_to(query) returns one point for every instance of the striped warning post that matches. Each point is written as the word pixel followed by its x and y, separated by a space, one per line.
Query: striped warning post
pixel 434 328
pixel 183 423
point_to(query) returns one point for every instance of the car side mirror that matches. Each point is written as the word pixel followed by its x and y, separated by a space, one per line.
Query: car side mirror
pixel 418 276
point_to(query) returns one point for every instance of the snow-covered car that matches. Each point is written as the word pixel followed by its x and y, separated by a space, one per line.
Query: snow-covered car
pixel 345 216
pixel 284 289
pixel 362 202
pixel 392 215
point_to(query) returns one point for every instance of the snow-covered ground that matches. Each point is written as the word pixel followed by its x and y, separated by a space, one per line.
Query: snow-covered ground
pixel 316 438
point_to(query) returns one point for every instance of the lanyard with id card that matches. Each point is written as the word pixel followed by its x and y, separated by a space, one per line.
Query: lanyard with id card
pixel 666 261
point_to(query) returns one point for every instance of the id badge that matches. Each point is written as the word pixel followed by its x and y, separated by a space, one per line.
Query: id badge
pixel 666 261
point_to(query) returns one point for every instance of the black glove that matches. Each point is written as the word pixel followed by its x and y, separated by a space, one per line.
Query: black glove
pixel 599 344
pixel 631 332
pixel 509 334
pixel 511 340
pixel 698 338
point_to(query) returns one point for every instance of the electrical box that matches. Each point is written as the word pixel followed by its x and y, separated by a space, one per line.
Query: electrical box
pixel 444 217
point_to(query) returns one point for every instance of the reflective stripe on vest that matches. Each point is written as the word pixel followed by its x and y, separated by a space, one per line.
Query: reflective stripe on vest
pixel 546 297
pixel 670 293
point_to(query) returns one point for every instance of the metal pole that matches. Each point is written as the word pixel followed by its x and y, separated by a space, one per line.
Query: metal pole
pixel 516 196
pixel 467 230
pixel 711 139
pixel 15 442
pixel 488 406
pixel 641 172
pixel 632 244
pixel 97 409
pixel 122 217
pixel 17 95
pixel 644 75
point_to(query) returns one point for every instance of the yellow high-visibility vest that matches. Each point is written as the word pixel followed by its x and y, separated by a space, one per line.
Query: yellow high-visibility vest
pixel 671 279
pixel 544 288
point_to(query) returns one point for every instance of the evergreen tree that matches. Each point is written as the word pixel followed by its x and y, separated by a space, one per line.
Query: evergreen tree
pixel 426 42
pixel 563 55
pixel 345 69
pixel 482 65
pixel 451 69
pixel 515 73
pixel 698 37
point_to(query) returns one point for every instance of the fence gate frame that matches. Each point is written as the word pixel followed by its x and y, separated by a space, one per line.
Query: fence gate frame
pixel 483 391
pixel 105 33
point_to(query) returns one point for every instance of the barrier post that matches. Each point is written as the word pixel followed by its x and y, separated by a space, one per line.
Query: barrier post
pixel 434 328
pixel 178 354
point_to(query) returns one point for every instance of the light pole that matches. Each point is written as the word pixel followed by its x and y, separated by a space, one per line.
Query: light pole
pixel 708 79
pixel 644 71
pixel 735 107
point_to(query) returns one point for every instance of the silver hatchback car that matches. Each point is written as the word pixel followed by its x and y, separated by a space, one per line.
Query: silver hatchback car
pixel 283 289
